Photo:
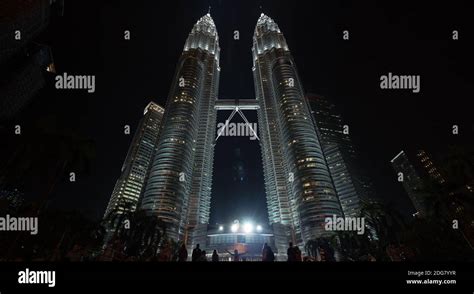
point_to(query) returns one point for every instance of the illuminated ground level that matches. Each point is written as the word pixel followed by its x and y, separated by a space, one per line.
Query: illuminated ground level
pixel 248 239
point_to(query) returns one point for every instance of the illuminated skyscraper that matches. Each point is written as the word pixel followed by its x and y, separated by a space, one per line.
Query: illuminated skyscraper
pixel 299 189
pixel 351 183
pixel 300 192
pixel 178 190
pixel 129 186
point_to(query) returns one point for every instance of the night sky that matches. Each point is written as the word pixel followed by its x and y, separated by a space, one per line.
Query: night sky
pixel 400 37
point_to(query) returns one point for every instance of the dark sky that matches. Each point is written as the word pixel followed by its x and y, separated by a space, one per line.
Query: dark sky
pixel 400 37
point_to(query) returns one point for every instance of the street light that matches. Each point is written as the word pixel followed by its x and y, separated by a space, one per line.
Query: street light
pixel 259 228
pixel 221 228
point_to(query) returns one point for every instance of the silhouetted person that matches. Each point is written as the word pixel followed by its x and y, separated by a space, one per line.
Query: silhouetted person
pixel 236 255
pixel 265 252
pixel 182 254
pixel 270 254
pixel 196 253
pixel 215 256
pixel 297 254
pixel 203 256
pixel 291 252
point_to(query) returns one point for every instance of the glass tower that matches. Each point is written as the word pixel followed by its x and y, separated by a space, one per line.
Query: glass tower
pixel 300 192
pixel 178 190
pixel 129 186
pixel 350 180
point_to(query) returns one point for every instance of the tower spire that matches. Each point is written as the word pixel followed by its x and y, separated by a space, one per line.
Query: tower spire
pixel 209 10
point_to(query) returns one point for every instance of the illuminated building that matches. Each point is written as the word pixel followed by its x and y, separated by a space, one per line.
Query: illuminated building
pixel 300 192
pixel 129 186
pixel 426 164
pixel 178 190
pixel 246 238
pixel 351 183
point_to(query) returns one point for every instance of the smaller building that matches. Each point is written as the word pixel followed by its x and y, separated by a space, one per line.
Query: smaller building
pixel 412 182
pixel 128 188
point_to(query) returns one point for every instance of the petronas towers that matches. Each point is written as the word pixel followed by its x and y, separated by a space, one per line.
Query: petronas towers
pixel 300 192
pixel 177 186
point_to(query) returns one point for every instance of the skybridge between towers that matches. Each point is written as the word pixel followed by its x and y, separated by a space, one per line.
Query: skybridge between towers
pixel 237 105
pixel 233 104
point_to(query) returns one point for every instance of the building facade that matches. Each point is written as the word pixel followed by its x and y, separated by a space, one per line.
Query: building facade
pixel 351 182
pixel 411 181
pixel 299 189
pixel 178 190
pixel 129 186
pixel 426 163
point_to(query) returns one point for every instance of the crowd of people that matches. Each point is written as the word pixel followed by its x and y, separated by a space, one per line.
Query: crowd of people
pixel 198 255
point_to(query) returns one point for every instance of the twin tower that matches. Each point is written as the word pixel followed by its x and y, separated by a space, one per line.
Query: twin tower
pixel 175 185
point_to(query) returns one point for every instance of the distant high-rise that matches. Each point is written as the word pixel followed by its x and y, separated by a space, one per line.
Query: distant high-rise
pixel 300 192
pixel 440 180
pixel 411 181
pixel 129 186
pixel 330 124
pixel 178 190
pixel 430 169
pixel 343 180
pixel 350 181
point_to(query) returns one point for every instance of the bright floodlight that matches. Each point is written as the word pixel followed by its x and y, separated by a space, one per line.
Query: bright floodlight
pixel 221 228
pixel 259 228
pixel 234 228
pixel 248 228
